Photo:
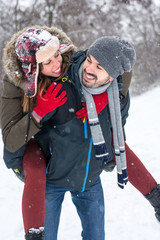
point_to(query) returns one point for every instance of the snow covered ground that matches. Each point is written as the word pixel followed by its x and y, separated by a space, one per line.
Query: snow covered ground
pixel 128 214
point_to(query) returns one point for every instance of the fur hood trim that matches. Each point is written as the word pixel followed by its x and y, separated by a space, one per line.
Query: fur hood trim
pixel 12 65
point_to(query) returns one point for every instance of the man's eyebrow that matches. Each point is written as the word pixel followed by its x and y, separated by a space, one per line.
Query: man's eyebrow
pixel 99 65
pixel 88 56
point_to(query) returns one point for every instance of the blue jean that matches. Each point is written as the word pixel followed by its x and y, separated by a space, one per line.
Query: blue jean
pixel 89 205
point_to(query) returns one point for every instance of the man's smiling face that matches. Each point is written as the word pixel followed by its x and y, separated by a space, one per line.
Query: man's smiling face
pixel 94 75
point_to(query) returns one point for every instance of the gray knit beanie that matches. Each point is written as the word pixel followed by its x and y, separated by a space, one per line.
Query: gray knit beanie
pixel 115 55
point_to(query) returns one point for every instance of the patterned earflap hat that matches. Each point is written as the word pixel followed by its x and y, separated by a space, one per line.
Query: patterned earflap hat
pixel 33 47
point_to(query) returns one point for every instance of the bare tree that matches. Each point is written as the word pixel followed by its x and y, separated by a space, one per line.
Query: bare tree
pixel 85 20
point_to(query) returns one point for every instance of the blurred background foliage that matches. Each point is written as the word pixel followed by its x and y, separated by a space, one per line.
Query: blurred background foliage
pixel 138 21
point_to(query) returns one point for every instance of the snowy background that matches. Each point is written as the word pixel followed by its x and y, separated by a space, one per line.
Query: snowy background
pixel 128 213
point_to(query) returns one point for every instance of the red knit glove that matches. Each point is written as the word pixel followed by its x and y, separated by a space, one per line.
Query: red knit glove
pixel 100 100
pixel 49 101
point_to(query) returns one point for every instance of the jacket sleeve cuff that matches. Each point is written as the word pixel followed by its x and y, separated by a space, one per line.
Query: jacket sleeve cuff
pixel 38 125
pixel 36 115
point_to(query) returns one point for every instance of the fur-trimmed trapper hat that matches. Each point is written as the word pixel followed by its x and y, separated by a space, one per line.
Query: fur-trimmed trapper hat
pixel 29 47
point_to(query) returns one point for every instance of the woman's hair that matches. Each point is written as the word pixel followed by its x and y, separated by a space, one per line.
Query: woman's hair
pixel 44 82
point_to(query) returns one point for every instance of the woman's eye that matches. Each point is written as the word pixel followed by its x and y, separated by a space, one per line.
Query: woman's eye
pixel 89 60
pixel 46 63
pixel 57 54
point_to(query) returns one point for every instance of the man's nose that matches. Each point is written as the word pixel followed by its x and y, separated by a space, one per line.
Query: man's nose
pixel 90 69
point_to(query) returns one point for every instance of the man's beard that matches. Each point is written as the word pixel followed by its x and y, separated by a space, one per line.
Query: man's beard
pixel 90 74
pixel 94 84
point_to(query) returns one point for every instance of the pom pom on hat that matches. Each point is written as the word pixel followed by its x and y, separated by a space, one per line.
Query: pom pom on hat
pixel 115 55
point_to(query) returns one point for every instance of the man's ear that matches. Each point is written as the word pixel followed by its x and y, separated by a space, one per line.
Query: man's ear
pixel 111 79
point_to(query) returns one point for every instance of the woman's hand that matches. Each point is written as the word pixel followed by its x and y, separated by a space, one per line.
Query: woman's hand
pixel 49 101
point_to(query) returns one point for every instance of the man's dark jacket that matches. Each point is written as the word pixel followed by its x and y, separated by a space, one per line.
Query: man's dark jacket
pixel 66 140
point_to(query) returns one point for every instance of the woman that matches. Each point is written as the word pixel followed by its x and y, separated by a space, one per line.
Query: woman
pixel 37 48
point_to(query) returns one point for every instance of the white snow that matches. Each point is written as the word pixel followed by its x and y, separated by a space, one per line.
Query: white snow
pixel 128 213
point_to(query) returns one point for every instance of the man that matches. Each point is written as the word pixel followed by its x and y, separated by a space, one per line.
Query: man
pixel 80 151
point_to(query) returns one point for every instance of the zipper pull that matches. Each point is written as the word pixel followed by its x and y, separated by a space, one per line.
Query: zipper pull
pixel 85 128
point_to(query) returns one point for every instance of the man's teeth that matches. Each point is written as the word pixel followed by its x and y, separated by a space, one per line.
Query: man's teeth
pixel 88 76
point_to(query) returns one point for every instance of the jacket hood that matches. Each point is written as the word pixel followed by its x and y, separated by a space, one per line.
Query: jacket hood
pixel 12 65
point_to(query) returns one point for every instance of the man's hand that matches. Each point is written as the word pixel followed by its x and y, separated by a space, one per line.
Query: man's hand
pixel 101 100
pixel 109 167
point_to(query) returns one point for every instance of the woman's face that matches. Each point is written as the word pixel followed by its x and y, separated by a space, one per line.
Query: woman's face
pixel 52 66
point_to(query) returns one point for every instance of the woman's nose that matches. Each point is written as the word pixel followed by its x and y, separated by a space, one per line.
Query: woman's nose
pixel 56 63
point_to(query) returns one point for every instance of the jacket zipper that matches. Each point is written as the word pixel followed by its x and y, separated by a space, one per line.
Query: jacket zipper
pixel 88 157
